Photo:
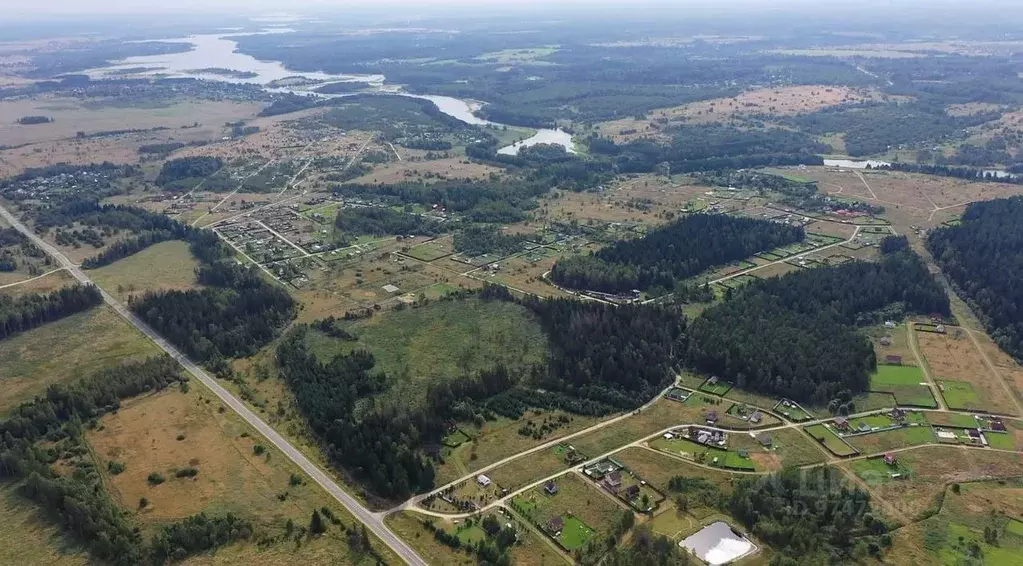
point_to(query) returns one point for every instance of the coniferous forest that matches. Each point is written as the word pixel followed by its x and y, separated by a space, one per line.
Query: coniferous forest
pixel 981 257
pixel 795 335
pixel 673 252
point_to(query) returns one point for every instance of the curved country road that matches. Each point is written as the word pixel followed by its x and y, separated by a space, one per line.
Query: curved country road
pixel 373 521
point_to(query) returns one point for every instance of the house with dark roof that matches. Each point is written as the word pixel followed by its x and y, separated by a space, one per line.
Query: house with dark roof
pixel 890 459
pixel 712 416
pixel 555 525
pixel 841 423
pixel 613 481
pixel 631 492
pixel 893 359
pixel 898 414
pixel 756 417
pixel 551 488
pixel 765 440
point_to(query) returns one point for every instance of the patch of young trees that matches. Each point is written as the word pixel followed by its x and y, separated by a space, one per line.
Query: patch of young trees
pixel 796 336
pixel 35 309
pixel 478 240
pixel 673 252
pixel 981 257
pixel 379 221
pixel 185 172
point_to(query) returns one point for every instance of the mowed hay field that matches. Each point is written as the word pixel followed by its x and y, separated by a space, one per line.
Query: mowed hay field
pixel 167 265
pixel 957 359
pixel 64 350
pixel 419 346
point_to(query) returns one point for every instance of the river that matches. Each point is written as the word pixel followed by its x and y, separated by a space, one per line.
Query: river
pixel 218 52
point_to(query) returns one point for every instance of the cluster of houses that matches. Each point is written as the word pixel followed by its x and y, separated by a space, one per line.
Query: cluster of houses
pixel 703 436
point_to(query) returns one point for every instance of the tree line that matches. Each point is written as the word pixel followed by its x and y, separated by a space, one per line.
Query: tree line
pixel 673 252
pixel 795 335
pixel 478 240
pixel 186 172
pixel 981 257
pixel 35 309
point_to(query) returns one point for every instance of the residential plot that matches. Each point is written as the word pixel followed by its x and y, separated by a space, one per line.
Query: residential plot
pixel 953 357
pixel 905 383
pixel 776 449
pixel 572 515
pixel 829 439
pixel 658 468
pixel 891 439
pixel 67 349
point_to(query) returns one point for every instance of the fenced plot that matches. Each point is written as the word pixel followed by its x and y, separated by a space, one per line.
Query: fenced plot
pixel 830 440
pixel 959 395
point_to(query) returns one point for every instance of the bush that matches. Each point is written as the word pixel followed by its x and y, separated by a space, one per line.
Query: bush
pixel 258 449
pixel 156 478
pixel 115 467
pixel 188 472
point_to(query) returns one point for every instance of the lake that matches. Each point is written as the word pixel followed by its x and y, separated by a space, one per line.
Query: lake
pixel 218 51
pixel 718 544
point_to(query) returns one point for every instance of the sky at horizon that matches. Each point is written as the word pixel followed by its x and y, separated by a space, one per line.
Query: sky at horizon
pixel 58 8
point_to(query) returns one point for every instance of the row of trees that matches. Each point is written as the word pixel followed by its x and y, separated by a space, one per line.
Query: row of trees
pixel 795 335
pixel 35 309
pixel 981 256
pixel 676 251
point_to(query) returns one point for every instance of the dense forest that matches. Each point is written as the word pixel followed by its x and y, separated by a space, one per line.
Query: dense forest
pixel 603 359
pixel 29 311
pixel 873 127
pixel 810 517
pixel 234 314
pixel 795 335
pixel 379 221
pixel 186 172
pixel 673 252
pixel 478 240
pixel 981 257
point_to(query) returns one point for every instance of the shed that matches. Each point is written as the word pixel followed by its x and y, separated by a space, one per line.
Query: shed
pixel 893 359
pixel 483 480
pixel 890 459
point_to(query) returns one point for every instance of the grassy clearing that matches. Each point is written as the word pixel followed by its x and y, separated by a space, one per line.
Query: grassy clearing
pixel 895 375
pixel 416 347
pixel 167 265
pixel 830 440
pixel 1001 440
pixel 954 357
pixel 663 414
pixel 959 395
pixel 891 439
pixel 528 469
pixel 874 471
pixel 951 419
pixel 658 469
pixel 49 282
pixel 788 447
pixel 430 251
pixel 65 350
pixel 27 537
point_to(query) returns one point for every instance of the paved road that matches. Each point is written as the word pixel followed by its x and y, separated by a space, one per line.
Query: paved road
pixel 373 521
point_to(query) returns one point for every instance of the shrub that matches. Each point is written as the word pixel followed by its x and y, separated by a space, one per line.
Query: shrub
pixel 188 472
pixel 115 467
pixel 156 478
pixel 259 449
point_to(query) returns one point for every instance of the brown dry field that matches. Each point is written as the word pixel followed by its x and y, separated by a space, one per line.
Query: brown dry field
pixel 839 229
pixel 933 467
pixel 658 468
pixel 783 101
pixel 452 168
pixel 909 199
pixel 77 152
pixel 774 270
pixel 899 343
pixel 232 478
pixel 958 359
pixel 526 276
pixel 71 116
pixel 1008 369
pixel 612 205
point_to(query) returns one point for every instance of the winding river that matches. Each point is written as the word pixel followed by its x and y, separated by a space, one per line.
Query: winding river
pixel 219 52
